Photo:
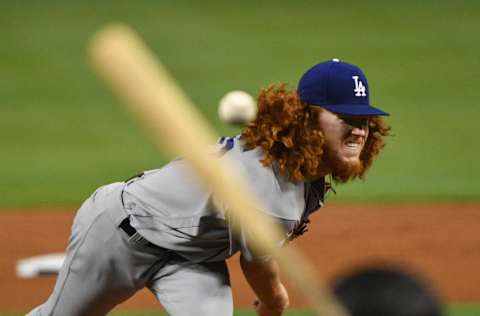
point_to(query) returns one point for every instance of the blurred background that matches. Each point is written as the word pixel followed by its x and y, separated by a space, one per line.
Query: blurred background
pixel 63 134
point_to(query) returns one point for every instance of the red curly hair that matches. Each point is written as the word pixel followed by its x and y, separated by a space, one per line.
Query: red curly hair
pixel 289 134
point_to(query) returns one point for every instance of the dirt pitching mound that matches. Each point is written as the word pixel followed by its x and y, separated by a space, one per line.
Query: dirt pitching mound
pixel 440 242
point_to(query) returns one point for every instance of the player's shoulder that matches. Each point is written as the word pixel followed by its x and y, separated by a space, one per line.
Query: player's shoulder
pixel 234 150
pixel 280 197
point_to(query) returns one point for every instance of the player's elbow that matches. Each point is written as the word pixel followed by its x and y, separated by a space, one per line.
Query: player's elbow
pixel 265 269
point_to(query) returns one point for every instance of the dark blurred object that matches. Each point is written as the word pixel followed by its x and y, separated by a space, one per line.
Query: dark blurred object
pixel 384 291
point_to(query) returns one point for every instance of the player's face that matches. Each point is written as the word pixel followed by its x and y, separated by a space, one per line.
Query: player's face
pixel 345 137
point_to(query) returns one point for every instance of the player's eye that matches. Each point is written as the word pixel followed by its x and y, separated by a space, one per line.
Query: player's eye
pixel 359 122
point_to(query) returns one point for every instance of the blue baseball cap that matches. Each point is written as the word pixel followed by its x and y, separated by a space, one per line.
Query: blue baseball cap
pixel 339 87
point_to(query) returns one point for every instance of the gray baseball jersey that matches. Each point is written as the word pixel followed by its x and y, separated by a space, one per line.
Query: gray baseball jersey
pixel 170 207
pixel 105 264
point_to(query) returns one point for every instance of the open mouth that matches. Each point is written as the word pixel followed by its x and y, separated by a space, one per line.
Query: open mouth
pixel 354 145
pixel 351 144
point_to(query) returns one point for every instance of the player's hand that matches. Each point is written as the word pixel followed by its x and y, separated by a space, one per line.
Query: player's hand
pixel 264 310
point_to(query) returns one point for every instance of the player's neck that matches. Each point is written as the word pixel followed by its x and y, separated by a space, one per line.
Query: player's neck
pixel 322 172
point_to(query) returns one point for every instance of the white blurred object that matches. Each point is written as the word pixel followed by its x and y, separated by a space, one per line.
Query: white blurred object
pixel 237 107
pixel 40 265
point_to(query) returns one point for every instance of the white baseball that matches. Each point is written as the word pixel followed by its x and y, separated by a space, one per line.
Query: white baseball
pixel 237 107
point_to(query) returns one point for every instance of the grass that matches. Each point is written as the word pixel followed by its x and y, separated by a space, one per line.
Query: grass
pixel 237 313
pixel 63 134
pixel 451 310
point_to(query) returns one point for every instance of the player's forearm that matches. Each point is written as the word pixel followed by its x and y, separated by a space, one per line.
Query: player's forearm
pixel 264 279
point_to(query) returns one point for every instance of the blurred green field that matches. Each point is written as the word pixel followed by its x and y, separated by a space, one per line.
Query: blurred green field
pixel 453 310
pixel 63 134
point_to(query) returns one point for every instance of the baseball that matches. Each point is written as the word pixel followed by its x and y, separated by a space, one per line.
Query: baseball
pixel 237 107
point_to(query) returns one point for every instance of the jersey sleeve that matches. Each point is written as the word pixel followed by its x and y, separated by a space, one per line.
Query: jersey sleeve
pixel 280 200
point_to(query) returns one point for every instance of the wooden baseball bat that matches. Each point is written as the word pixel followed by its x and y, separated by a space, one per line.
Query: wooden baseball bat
pixel 151 94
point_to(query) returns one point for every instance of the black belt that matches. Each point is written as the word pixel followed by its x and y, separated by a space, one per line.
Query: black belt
pixel 130 231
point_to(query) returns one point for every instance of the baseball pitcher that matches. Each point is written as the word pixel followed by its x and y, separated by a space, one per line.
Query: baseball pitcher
pixel 162 229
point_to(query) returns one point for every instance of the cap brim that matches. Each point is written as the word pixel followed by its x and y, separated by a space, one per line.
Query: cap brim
pixel 355 110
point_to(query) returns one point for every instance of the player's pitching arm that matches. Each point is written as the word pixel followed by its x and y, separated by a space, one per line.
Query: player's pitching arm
pixel 264 278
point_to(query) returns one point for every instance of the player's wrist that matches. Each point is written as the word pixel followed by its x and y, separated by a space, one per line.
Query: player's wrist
pixel 277 309
pixel 279 305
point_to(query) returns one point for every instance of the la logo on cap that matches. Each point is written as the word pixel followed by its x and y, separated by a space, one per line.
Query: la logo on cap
pixel 360 90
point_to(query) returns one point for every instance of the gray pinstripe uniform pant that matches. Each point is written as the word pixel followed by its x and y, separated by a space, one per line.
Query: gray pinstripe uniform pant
pixel 104 267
